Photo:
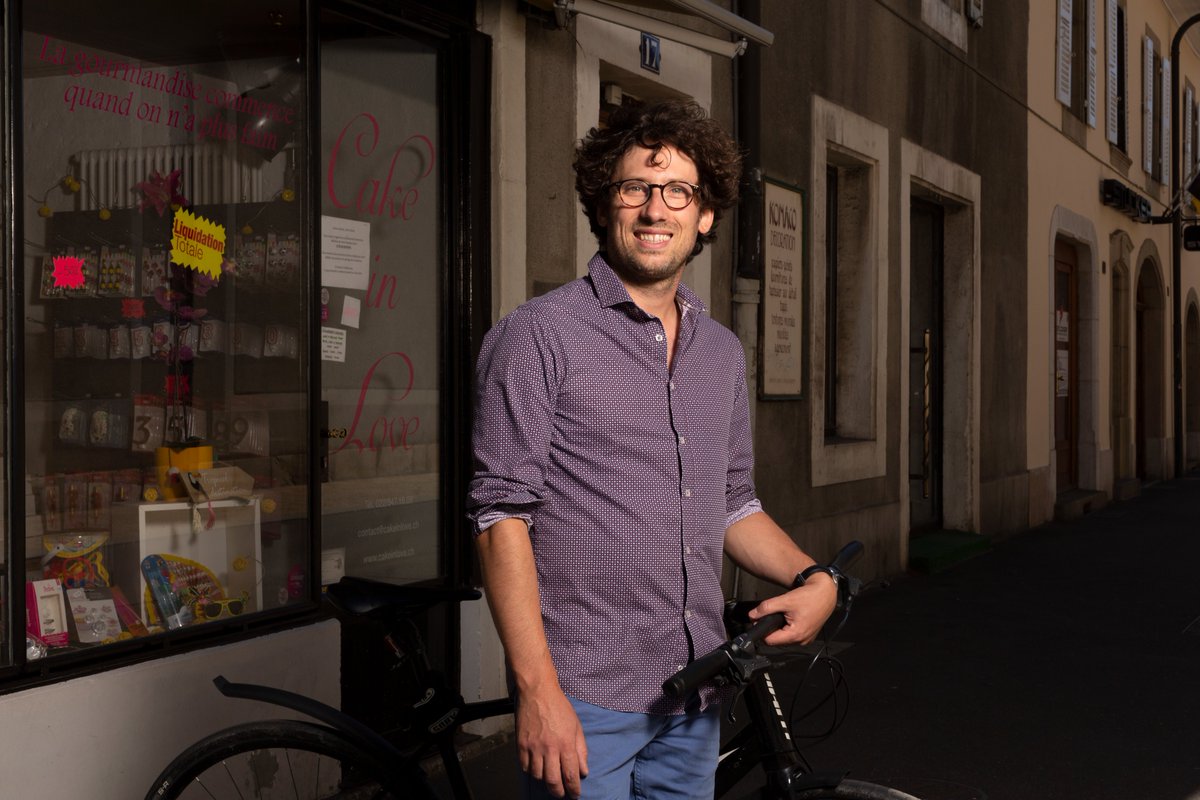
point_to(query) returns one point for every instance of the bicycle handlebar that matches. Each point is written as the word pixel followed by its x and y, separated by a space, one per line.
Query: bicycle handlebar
pixel 847 555
pixel 737 656
pixel 707 667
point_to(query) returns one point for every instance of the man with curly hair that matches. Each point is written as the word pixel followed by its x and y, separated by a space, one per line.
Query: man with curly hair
pixel 613 472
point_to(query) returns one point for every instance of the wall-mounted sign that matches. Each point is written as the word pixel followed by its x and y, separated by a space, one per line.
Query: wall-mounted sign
pixel 1191 238
pixel 1117 195
pixel 651 51
pixel 783 289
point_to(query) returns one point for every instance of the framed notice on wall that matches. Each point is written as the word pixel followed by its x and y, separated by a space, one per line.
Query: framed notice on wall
pixel 783 295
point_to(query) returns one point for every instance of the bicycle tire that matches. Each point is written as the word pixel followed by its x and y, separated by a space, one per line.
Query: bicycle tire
pixel 282 758
pixel 854 790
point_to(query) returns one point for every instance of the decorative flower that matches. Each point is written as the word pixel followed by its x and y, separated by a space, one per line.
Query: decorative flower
pixel 161 192
pixel 173 301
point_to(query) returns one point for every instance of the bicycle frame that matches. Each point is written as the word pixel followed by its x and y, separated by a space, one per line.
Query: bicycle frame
pixel 767 740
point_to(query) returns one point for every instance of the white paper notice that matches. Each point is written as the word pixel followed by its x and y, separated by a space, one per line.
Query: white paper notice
pixel 351 308
pixel 333 344
pixel 345 253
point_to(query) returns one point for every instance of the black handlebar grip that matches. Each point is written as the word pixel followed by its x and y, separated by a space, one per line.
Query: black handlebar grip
pixel 707 667
pixel 847 555
pixel 702 670
pixel 758 631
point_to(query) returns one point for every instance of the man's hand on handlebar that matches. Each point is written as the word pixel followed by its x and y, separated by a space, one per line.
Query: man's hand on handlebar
pixel 805 610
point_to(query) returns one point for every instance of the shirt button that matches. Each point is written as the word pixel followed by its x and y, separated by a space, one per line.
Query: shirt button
pixel 671 385
pixel 682 440
pixel 687 492
pixel 687 613
pixel 658 337
pixel 687 550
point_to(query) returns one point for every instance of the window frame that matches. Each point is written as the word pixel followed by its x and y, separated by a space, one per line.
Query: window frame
pixel 854 140
pixel 463 78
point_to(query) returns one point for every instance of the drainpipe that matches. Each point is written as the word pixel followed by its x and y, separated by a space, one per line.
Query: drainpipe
pixel 747 122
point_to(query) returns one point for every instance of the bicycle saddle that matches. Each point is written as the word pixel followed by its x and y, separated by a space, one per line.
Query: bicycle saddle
pixel 365 596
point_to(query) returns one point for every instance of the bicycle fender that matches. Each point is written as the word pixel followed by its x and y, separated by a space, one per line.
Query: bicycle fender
pixel 355 731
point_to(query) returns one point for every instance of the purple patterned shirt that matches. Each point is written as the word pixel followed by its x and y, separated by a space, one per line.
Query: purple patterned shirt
pixel 629 475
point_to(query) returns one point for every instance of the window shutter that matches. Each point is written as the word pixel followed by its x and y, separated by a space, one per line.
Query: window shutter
pixel 1091 63
pixel 1126 131
pixel 1110 86
pixel 1148 104
pixel 1166 120
pixel 1063 89
pixel 1187 132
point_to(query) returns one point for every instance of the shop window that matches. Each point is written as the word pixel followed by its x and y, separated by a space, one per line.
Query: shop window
pixel 163 254
pixel 382 305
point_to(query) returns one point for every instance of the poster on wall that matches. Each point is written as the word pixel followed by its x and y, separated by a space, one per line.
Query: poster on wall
pixel 783 296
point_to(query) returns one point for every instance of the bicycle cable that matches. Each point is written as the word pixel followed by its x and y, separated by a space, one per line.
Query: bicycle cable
pixel 837 680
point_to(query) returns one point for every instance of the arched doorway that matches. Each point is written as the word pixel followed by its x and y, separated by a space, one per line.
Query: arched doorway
pixel 1191 383
pixel 1150 377
pixel 1066 369
pixel 1122 364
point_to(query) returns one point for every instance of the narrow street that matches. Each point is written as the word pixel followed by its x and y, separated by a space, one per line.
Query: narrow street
pixel 1061 664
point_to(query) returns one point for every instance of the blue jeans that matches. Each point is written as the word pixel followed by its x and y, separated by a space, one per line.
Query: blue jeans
pixel 644 756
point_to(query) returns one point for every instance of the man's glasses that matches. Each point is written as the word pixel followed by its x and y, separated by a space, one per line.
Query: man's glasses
pixel 677 195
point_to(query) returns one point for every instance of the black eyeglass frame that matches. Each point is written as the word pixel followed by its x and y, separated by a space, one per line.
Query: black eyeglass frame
pixel 650 187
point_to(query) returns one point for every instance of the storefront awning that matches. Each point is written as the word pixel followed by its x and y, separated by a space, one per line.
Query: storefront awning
pixel 629 14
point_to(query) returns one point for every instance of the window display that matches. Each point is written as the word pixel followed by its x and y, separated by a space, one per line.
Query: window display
pixel 166 323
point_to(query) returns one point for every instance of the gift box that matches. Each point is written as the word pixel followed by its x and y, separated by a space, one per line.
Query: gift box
pixel 46 612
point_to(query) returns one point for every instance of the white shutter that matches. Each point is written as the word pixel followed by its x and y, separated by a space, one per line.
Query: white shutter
pixel 1148 104
pixel 1187 133
pixel 1063 89
pixel 1126 130
pixel 1091 63
pixel 1166 120
pixel 1112 122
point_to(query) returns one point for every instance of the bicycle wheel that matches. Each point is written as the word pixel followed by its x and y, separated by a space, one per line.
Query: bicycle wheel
pixel 283 759
pixel 854 790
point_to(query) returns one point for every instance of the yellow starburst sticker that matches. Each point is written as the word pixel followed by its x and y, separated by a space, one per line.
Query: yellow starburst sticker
pixel 197 243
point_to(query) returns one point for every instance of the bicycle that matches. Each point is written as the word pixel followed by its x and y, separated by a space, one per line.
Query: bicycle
pixel 767 740
pixel 339 758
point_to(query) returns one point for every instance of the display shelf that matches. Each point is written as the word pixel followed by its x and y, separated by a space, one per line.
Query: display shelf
pixel 230 549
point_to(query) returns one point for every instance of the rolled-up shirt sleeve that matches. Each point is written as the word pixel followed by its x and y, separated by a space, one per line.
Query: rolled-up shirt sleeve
pixel 516 384
pixel 740 498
